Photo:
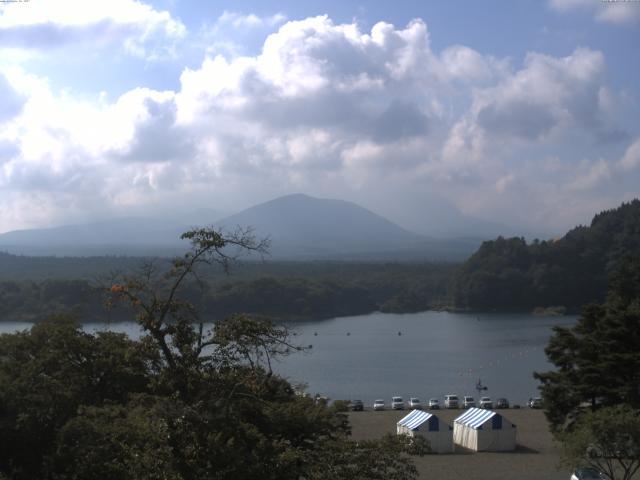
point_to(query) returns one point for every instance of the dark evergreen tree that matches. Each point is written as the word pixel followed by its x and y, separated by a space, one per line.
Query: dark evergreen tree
pixel 509 274
pixel 597 360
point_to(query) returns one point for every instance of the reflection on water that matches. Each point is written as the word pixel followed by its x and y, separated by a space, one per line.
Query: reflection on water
pixel 427 354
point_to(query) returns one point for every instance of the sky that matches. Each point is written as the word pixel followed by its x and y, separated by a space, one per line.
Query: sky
pixel 522 113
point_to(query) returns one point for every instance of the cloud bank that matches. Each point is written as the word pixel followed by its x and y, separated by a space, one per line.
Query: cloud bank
pixel 325 108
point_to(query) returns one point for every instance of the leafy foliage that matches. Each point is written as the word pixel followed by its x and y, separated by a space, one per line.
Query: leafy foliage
pixel 572 271
pixel 180 404
pixel 597 360
pixel 607 440
pixel 46 374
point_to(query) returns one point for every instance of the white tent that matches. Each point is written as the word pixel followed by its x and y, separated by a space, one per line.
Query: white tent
pixel 439 434
pixel 484 430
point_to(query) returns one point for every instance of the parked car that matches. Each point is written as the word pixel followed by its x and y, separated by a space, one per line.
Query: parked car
pixel 397 403
pixel 485 402
pixel 586 474
pixel 450 401
pixel 356 405
pixel 414 402
pixel 378 404
pixel 502 403
pixel 468 402
pixel 434 404
pixel 535 402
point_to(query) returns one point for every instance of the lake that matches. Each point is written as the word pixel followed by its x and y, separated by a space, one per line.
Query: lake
pixel 427 354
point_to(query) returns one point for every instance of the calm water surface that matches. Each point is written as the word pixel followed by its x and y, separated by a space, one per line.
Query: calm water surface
pixel 427 354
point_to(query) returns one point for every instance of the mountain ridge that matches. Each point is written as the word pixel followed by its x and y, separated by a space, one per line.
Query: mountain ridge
pixel 301 227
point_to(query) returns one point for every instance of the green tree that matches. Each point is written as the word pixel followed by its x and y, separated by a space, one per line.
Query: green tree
pixel 47 373
pixel 608 440
pixel 597 360
pixel 180 404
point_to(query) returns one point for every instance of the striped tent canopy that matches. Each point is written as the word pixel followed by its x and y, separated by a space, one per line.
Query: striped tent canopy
pixel 415 419
pixel 475 417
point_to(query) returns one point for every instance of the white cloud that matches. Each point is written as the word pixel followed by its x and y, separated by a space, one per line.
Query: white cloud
pixel 251 20
pixel 323 107
pixel 618 12
pixel 547 100
pixel 41 24
pixel 11 102
pixel 631 158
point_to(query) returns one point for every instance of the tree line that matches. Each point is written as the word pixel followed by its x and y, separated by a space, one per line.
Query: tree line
pixel 328 291
pixel 511 274
pixel 504 274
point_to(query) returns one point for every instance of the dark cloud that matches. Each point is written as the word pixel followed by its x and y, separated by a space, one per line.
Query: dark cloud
pixel 517 118
pixel 399 120
pixel 158 139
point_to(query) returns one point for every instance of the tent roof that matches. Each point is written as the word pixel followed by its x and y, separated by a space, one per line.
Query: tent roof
pixel 475 417
pixel 415 419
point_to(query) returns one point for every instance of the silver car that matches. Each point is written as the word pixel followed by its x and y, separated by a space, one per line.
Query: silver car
pixel 397 403
pixel 450 401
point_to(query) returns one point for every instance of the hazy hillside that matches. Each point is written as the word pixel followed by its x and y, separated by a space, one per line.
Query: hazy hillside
pixel 144 236
pixel 321 224
pixel 300 228
pixel 304 227
pixel 571 271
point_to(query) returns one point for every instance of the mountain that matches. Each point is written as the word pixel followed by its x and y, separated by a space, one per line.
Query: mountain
pixel 304 227
pixel 509 274
pixel 318 225
pixel 135 235
pixel 300 228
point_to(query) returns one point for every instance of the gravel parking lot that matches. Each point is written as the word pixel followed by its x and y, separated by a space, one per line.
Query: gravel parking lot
pixel 537 456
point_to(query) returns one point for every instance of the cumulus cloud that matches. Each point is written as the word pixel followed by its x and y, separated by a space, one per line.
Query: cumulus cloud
pixel 11 102
pixel 323 107
pixel 546 94
pixel 142 31
pixel 615 12
pixel 543 103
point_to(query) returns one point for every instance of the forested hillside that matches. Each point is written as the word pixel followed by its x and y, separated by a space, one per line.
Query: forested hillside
pixel 509 274
pixel 295 291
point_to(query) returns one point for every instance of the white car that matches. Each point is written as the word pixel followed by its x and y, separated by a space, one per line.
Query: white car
pixel 414 402
pixel 450 401
pixel 378 404
pixel 397 403
pixel 434 404
pixel 468 402
pixel 485 402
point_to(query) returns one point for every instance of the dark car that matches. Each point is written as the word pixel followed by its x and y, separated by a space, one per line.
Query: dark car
pixel 587 474
pixel 356 405
pixel 535 402
pixel 502 403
